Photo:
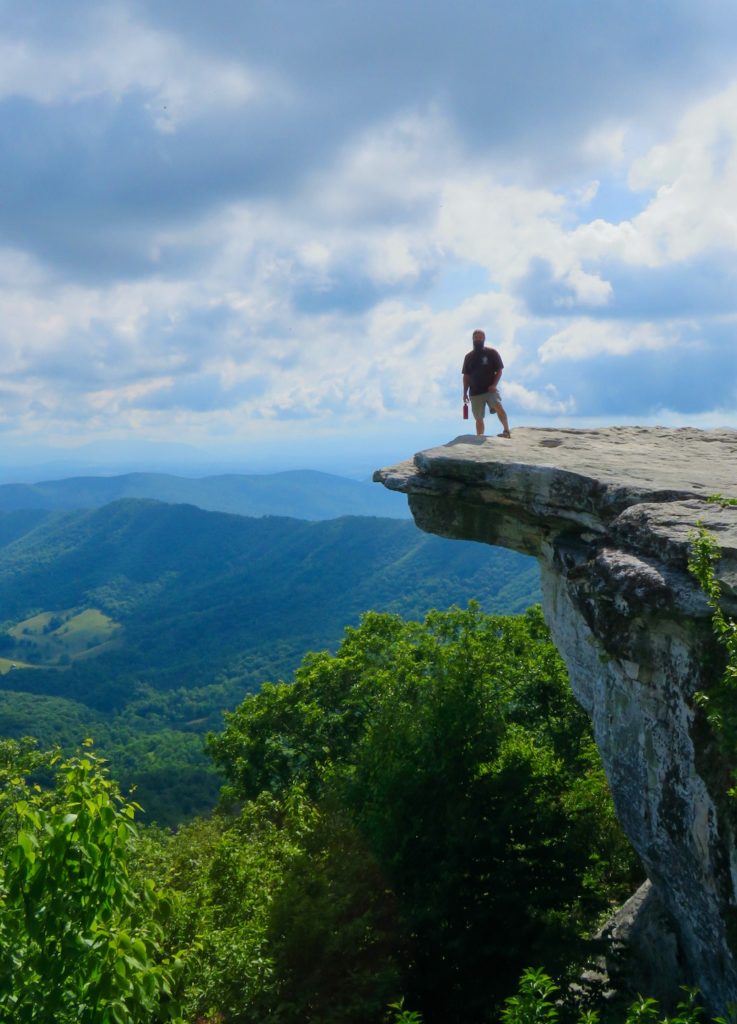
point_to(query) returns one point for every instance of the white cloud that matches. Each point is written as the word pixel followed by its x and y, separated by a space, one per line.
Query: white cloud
pixel 114 55
pixel 695 205
pixel 545 401
pixel 693 180
pixel 398 358
pixel 319 291
pixel 501 227
pixel 584 195
pixel 587 289
pixel 605 145
pixel 585 339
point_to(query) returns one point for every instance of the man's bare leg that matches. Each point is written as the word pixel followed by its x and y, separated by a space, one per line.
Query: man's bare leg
pixel 479 428
pixel 503 420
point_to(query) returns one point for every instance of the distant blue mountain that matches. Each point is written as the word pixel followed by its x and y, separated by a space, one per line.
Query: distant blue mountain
pixel 300 494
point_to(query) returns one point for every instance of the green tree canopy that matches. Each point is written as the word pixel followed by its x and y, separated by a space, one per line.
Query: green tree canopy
pixel 453 755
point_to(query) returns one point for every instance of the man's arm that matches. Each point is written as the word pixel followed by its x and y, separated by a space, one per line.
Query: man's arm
pixel 466 385
pixel 498 367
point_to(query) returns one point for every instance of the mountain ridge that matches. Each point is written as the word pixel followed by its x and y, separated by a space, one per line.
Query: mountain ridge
pixel 147 620
pixel 302 494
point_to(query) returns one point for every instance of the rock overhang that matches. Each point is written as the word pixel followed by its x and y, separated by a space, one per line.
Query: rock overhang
pixel 644 488
pixel 611 514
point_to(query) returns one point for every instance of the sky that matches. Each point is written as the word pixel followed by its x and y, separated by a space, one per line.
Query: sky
pixel 263 231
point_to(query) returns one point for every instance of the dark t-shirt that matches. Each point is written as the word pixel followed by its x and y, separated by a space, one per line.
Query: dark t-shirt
pixel 481 367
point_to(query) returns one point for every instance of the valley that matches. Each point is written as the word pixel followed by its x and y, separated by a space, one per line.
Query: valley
pixel 139 622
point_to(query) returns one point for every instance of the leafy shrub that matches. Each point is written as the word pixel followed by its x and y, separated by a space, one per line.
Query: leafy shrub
pixel 534 1003
pixel 719 703
pixel 79 942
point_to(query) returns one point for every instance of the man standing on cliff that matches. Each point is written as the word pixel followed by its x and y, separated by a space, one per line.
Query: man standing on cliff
pixel 482 369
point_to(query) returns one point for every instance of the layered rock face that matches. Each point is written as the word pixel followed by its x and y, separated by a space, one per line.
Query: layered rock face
pixel 609 514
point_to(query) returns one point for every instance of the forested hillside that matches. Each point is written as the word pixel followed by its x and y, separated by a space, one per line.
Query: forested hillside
pixel 139 622
pixel 416 818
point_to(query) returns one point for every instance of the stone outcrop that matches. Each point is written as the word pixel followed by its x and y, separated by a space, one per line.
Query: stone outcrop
pixel 642 954
pixel 609 514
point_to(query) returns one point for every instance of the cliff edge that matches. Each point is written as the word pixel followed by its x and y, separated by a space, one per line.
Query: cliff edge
pixel 609 514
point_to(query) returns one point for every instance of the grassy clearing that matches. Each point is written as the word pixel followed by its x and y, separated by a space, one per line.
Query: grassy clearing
pixel 9 664
pixel 33 626
pixel 54 638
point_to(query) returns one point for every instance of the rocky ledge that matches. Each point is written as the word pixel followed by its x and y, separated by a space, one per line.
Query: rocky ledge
pixel 610 514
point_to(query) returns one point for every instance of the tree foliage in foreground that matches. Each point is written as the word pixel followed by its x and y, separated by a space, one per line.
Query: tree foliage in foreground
pixel 418 816
pixel 537 1002
pixel 79 940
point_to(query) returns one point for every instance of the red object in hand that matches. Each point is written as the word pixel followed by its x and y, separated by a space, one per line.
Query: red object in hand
pixel 465 410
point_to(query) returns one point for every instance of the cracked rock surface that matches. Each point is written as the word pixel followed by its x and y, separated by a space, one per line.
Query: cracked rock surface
pixel 609 514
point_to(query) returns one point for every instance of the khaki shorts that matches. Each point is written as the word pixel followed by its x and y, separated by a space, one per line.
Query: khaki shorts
pixel 479 403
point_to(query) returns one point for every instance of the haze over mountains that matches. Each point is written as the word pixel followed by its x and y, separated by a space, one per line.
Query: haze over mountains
pixel 303 494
